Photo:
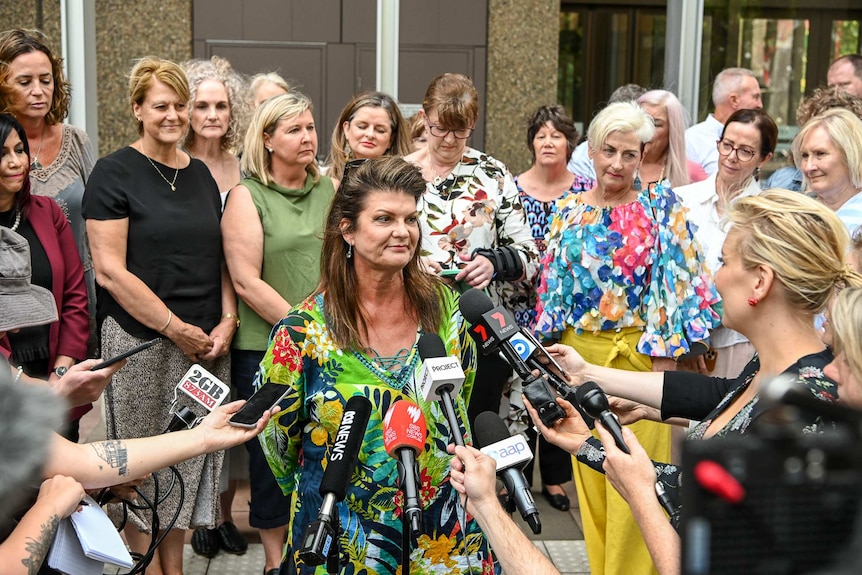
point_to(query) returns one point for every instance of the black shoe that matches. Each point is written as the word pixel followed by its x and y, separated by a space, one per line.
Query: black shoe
pixel 556 500
pixel 271 572
pixel 231 539
pixel 205 542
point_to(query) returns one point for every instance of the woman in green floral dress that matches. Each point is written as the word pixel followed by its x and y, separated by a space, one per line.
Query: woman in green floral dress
pixel 357 335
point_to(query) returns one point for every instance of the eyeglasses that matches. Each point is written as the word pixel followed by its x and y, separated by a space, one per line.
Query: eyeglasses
pixel 352 165
pixel 742 154
pixel 441 132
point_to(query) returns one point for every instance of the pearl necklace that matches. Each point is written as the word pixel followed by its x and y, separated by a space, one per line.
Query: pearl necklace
pixel 17 221
pixel 176 172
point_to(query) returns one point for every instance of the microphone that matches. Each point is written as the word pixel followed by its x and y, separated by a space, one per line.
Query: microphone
pixel 786 390
pixel 495 327
pixel 195 396
pixel 441 378
pixel 320 539
pixel 592 399
pixel 510 453
pixel 404 439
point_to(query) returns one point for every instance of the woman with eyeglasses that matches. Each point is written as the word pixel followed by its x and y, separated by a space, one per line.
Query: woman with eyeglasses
pixel 272 231
pixel 471 215
pixel 747 143
pixel 623 282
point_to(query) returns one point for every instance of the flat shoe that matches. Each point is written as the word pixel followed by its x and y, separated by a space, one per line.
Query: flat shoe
pixel 205 542
pixel 271 572
pixel 556 500
pixel 231 539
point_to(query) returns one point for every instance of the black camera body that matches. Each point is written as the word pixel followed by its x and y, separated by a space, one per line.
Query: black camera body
pixel 801 498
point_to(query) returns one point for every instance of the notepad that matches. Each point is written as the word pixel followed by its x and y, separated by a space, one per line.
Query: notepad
pixel 85 541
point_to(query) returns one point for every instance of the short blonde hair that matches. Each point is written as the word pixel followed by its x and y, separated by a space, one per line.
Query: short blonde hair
pixel 255 159
pixel 624 117
pixel 845 131
pixel 846 318
pixel 220 70
pixel 800 239
pixel 258 80
pixel 149 69
pixel 454 98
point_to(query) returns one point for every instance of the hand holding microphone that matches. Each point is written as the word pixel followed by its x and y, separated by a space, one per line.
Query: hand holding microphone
pixel 593 400
pixel 404 433
pixel 440 379
pixel 320 540
pixel 195 396
pixel 511 454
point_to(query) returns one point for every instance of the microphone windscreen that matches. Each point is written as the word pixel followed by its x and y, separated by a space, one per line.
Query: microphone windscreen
pixel 431 345
pixel 591 398
pixel 345 450
pixel 473 304
pixel 489 429
pixel 404 426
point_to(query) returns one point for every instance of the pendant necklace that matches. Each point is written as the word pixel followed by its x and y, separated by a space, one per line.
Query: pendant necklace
pixel 438 179
pixel 153 164
pixel 35 164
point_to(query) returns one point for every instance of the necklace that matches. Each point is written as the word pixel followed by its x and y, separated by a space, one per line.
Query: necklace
pixel 35 164
pixel 17 221
pixel 438 179
pixel 153 164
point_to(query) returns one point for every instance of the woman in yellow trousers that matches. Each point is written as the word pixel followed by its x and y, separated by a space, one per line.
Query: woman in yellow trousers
pixel 623 282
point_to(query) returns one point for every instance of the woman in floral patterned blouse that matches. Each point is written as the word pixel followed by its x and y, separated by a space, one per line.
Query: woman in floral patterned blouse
pixel 781 263
pixel 471 216
pixel 357 335
pixel 623 282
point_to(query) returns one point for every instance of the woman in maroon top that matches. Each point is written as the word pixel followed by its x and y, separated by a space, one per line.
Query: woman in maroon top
pixel 47 351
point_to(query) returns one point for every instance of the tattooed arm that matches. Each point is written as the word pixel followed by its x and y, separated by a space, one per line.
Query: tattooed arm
pixel 106 463
pixel 26 548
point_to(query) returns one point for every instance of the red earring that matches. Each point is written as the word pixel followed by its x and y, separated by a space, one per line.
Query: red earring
pixel 752 301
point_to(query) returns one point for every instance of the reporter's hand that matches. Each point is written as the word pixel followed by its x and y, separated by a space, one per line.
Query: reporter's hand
pixel 570 360
pixel 429 265
pixel 474 475
pixel 629 411
pixel 478 272
pixel 81 386
pixel 633 476
pixel 218 434
pixel 568 433
pixel 60 493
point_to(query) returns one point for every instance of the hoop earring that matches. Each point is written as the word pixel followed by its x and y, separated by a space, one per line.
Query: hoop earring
pixel 637 185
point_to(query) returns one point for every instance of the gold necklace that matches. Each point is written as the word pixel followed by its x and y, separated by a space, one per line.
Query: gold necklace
pixel 176 173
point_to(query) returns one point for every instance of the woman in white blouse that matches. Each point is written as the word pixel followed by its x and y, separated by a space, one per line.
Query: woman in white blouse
pixel 747 142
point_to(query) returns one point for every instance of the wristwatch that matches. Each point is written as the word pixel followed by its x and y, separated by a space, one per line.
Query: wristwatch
pixel 60 370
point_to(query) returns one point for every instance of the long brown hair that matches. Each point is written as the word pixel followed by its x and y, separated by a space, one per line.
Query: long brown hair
pixel 338 280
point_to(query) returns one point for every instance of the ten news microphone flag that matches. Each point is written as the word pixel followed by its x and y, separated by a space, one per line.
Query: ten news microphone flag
pixel 320 542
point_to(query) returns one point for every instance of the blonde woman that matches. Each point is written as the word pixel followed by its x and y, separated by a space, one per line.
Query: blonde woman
pixel 272 229
pixel 152 215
